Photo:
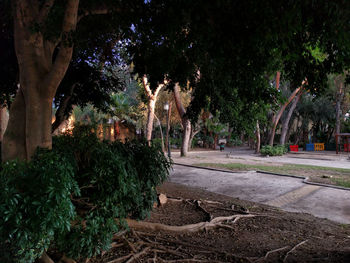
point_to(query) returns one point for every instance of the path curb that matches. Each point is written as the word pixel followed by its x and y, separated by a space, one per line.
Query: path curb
pixel 305 179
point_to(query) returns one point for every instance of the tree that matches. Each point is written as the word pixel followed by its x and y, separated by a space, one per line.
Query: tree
pixel 285 123
pixel 278 115
pixel 152 99
pixel 203 37
pixel 44 35
pixel 186 123
pixel 83 84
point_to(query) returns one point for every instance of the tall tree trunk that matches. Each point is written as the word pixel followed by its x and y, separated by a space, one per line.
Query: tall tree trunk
pixel 152 99
pixel 272 115
pixel 285 124
pixel 279 114
pixel 340 95
pixel 40 74
pixel 257 134
pixel 186 133
pixel 186 124
pixel 150 119
pixel 3 121
pixel 194 131
pixel 161 133
pixel 60 113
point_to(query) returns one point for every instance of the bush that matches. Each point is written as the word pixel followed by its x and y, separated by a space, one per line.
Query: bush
pixel 157 142
pixel 76 196
pixel 176 141
pixel 234 142
pixel 273 150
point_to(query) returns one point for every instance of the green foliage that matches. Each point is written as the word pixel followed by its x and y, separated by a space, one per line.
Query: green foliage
pixel 234 142
pixel 35 204
pixel 273 150
pixel 76 196
pixel 208 140
pixel 176 141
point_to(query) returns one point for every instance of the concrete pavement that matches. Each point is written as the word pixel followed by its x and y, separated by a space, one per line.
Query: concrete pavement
pixel 287 193
pixel 325 159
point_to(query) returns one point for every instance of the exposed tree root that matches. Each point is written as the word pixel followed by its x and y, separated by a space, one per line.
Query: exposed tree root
pixel 271 252
pixel 189 260
pixel 294 248
pixel 214 223
pixel 147 246
pixel 241 210
pixel 172 199
pixel 136 256
pixel 152 248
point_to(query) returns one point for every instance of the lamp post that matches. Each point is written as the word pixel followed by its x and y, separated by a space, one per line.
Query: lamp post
pixel 166 108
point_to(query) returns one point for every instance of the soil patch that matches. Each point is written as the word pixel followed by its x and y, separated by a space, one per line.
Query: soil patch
pixel 254 233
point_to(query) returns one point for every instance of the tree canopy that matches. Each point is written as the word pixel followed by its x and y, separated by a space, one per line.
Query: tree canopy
pixel 228 50
pixel 225 51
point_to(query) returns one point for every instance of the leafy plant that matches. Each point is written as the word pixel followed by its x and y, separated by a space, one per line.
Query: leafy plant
pixel 273 150
pixel 35 204
pixel 76 196
pixel 234 142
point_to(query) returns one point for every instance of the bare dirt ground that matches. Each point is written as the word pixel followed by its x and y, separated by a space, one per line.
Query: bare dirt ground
pixel 199 226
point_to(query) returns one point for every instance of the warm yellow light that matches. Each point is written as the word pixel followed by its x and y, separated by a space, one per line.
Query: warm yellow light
pixel 112 131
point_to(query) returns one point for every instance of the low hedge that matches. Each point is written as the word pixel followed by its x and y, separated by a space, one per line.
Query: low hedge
pixel 76 196
pixel 273 150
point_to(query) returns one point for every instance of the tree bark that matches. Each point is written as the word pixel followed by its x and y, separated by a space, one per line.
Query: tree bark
pixel 150 119
pixel 40 74
pixel 257 134
pixel 186 124
pixel 285 124
pixel 60 113
pixel 340 95
pixel 161 133
pixel 152 99
pixel 279 114
pixel 3 121
pixel 194 131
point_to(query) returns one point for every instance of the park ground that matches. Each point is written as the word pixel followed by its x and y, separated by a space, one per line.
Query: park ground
pixel 196 225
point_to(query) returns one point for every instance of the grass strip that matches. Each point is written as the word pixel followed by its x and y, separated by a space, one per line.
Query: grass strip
pixel 338 176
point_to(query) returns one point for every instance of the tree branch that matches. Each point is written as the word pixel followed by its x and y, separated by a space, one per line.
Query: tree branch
pixel 160 86
pixel 45 10
pixel 62 109
pixel 146 86
pixel 97 11
pixel 65 52
pixel 178 101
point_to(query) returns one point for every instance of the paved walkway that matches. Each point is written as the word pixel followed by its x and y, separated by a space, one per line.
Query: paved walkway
pixel 325 159
pixel 287 193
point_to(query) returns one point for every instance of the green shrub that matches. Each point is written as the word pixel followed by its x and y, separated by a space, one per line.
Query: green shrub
pixel 157 142
pixel 208 140
pixel 273 150
pixel 176 141
pixel 35 204
pixel 234 142
pixel 194 142
pixel 76 196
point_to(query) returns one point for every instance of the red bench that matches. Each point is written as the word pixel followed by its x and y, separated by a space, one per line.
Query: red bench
pixel 293 148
